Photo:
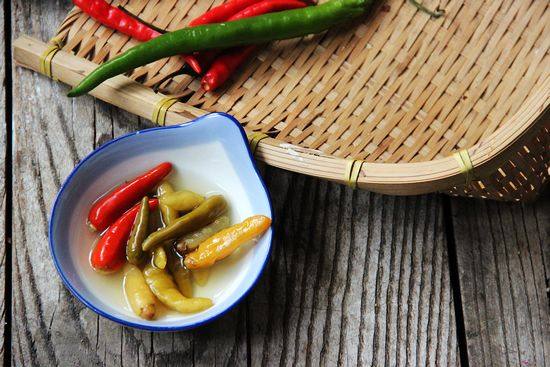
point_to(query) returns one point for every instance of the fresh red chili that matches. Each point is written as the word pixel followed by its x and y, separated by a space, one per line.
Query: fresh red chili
pixel 222 12
pixel 107 209
pixel 115 18
pixel 222 68
pixel 110 251
pixel 267 6
pixel 199 60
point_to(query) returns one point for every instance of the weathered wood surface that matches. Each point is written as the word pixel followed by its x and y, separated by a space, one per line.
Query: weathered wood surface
pixel 3 178
pixel 354 278
pixel 503 253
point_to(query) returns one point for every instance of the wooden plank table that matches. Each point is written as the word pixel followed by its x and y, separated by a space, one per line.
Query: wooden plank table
pixel 355 278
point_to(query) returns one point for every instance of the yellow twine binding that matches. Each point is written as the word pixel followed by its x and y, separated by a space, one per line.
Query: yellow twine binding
pixel 353 170
pixel 161 109
pixel 254 139
pixel 465 164
pixel 47 57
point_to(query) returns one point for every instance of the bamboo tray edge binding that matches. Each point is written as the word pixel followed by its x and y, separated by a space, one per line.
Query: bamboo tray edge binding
pixel 509 164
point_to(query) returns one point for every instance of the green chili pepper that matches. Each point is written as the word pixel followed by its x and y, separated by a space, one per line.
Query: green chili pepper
pixel 181 274
pixel 191 241
pixel 168 214
pixel 134 252
pixel 248 31
pixel 203 215
pixel 163 287
pixel 183 200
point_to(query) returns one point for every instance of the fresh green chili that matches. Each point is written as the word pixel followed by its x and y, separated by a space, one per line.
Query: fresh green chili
pixel 255 30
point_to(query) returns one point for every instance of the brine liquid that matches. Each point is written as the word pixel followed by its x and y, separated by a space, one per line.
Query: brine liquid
pixel 110 288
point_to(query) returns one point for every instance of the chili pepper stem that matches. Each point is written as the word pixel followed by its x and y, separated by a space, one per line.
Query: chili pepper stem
pixel 91 226
pixel 433 13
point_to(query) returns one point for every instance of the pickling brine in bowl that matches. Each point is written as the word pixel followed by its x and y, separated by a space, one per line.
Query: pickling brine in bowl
pixel 166 228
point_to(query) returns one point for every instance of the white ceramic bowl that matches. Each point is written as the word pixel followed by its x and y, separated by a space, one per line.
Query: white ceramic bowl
pixel 210 155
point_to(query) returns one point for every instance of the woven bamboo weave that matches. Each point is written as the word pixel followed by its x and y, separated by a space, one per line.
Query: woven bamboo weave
pixel 395 88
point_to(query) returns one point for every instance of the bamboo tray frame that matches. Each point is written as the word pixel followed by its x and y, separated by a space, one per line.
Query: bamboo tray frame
pixel 504 158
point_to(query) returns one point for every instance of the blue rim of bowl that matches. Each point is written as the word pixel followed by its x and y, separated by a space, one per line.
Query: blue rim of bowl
pixel 152 327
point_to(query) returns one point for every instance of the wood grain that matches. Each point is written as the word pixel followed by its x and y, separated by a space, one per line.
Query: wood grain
pixel 3 179
pixel 354 278
pixel 503 253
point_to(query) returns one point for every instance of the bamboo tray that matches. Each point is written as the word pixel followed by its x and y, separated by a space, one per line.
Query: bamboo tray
pixel 396 103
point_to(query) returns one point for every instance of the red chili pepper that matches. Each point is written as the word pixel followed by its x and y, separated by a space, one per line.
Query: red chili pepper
pixel 115 18
pixel 222 68
pixel 267 6
pixel 217 14
pixel 107 209
pixel 200 59
pixel 222 12
pixel 110 251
